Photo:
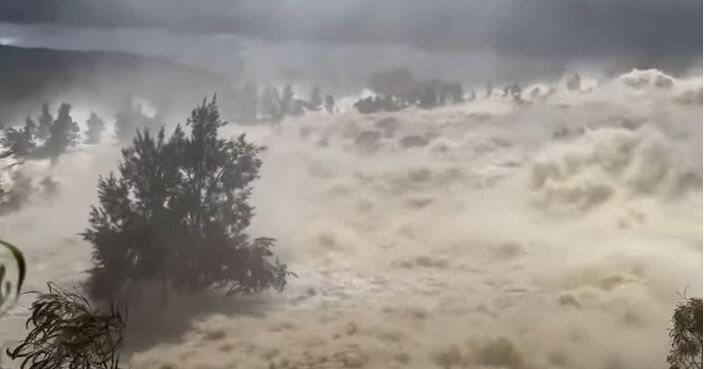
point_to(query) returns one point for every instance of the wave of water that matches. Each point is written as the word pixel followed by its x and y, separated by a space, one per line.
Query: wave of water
pixel 555 234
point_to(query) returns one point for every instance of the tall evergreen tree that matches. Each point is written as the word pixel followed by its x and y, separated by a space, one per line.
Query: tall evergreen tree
pixel 63 132
pixel 249 100
pixel 287 98
pixel 176 213
pixel 271 104
pixel 129 120
pixel 489 89
pixel 330 103
pixel 456 93
pixel 96 126
pixel 574 83
pixel 30 125
pixel 45 120
pixel 316 99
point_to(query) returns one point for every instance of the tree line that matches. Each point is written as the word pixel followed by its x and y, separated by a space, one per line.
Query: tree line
pixel 175 214
pixel 398 89
pixel 273 104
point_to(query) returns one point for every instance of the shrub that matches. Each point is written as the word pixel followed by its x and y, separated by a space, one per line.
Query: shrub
pixel 67 333
pixel 686 335
pixel 176 214
pixel 20 140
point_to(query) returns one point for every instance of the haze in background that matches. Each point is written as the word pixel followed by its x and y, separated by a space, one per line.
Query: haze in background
pixel 551 231
pixel 336 41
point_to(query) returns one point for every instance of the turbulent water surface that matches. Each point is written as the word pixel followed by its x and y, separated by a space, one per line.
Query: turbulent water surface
pixel 552 234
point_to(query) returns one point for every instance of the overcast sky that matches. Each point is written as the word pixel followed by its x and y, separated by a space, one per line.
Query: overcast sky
pixel 557 30
pixel 554 27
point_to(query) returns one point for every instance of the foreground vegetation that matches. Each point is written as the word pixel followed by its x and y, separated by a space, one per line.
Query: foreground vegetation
pixel 686 335
pixel 65 331
pixel 176 214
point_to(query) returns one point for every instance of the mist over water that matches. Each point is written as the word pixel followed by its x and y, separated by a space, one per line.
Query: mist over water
pixel 342 67
pixel 551 235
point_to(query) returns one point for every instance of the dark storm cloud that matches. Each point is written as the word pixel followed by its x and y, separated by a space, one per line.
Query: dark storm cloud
pixel 533 28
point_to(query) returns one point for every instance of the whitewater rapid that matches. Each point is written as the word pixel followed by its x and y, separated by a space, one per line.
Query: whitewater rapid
pixel 554 234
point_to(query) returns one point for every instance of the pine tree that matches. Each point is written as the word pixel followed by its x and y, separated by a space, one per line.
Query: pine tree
pixel 330 104
pixel 63 132
pixel 457 93
pixel 316 100
pixel 96 126
pixel 30 126
pixel 129 120
pixel 20 141
pixel 176 214
pixel 45 121
pixel 574 83
pixel 271 104
pixel 287 97
pixel 249 100
pixel 428 97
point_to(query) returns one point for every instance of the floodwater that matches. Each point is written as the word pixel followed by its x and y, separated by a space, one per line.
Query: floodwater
pixel 554 234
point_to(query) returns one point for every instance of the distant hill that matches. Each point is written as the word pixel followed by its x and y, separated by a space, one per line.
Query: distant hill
pixel 29 76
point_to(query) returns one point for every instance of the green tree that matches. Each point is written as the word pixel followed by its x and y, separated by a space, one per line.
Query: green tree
pixel 330 103
pixel 129 120
pixel 456 93
pixel 574 83
pixel 271 104
pixel 63 132
pixel 96 126
pixel 45 121
pixel 316 99
pixel 287 99
pixel 428 96
pixel 686 335
pixel 30 125
pixel 177 212
pixel 248 100
pixel 20 141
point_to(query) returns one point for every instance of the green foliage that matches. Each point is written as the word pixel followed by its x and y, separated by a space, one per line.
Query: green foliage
pixel 287 98
pixel 330 104
pixel 67 333
pixel 271 104
pixel 316 99
pixel 45 121
pixel 96 126
pixel 176 214
pixel 398 89
pixel 18 140
pixel 30 126
pixel 129 120
pixel 6 286
pixel 248 100
pixel 58 134
pixel 63 132
pixel 686 335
